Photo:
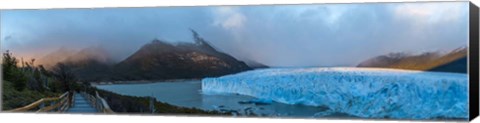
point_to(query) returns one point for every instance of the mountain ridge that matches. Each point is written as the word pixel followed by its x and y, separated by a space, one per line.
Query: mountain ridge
pixel 453 61
pixel 156 60
pixel 186 60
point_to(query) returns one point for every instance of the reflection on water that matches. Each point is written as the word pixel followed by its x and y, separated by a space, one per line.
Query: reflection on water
pixel 188 94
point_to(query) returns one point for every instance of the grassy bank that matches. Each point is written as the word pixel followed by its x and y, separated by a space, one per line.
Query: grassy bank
pixel 12 98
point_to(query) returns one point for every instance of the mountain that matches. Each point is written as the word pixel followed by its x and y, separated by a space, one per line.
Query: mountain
pixel 163 60
pixel 54 57
pixel 157 60
pixel 97 54
pixel 453 61
pixel 91 64
pixel 256 65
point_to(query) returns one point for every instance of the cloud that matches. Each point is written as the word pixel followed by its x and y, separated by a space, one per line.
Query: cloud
pixel 428 13
pixel 276 35
pixel 7 38
pixel 313 35
pixel 229 18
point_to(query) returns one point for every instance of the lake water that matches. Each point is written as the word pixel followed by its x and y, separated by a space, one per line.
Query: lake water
pixel 188 94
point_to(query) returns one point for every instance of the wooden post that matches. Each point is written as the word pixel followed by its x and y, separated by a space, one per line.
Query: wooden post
pixel 52 103
pixel 152 104
pixel 41 105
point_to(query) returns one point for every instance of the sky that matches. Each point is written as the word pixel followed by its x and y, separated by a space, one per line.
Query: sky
pixel 274 35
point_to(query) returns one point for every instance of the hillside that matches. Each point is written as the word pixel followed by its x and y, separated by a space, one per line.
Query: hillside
pixel 54 57
pixel 454 61
pixel 157 60
pixel 162 60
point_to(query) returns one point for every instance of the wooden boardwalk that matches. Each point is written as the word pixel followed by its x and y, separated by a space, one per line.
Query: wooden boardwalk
pixel 81 105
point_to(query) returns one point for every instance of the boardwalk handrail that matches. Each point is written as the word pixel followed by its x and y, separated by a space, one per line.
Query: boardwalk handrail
pixel 104 105
pixel 98 102
pixel 64 102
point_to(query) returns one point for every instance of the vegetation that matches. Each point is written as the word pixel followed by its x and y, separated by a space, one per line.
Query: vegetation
pixel 12 73
pixel 64 75
pixel 25 84
pixel 28 83
pixel 12 98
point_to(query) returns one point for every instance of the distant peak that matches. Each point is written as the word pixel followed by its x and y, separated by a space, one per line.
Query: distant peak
pixel 398 54
pixel 460 49
pixel 156 41
pixel 64 49
pixel 199 41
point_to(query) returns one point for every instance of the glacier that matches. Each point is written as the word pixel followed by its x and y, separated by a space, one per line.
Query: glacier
pixel 360 92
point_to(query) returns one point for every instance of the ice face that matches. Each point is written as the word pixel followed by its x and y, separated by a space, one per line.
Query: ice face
pixel 362 92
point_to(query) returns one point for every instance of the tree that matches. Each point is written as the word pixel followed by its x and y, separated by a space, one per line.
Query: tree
pixel 37 82
pixel 9 64
pixel 11 72
pixel 44 71
pixel 19 79
pixel 65 75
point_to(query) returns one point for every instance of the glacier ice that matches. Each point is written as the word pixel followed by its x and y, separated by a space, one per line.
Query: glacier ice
pixel 362 92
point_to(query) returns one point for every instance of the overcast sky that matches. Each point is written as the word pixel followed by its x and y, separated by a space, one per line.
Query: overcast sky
pixel 280 35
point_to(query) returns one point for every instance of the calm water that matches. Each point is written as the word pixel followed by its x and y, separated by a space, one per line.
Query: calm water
pixel 188 94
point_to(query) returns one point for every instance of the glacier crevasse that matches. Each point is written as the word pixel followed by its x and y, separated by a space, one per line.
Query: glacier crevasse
pixel 362 92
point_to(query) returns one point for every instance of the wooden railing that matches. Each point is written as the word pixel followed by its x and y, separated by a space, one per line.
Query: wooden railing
pixel 59 104
pixel 98 102
pixel 64 102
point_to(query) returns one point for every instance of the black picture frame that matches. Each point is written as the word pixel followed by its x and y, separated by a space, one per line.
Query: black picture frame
pixel 473 61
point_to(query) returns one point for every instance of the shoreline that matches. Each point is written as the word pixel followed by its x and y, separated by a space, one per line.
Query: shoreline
pixel 142 81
